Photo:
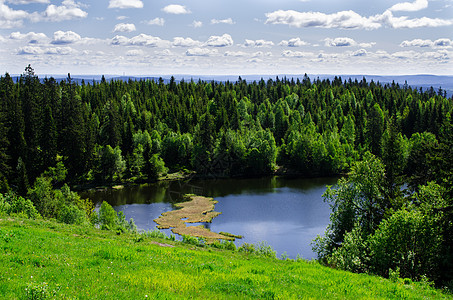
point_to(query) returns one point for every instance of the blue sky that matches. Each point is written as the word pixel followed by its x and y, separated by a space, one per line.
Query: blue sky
pixel 220 37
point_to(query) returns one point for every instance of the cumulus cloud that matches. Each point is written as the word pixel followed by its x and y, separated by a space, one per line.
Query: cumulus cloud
pixel 346 42
pixel 139 40
pixel 32 50
pixel 235 53
pixel 220 41
pixel 350 20
pixel 261 54
pixel 343 19
pixel 295 42
pixel 196 24
pixel 439 43
pixel 258 43
pixel 361 52
pixel 156 21
pixel 59 51
pixel 124 27
pixel 410 6
pixel 389 20
pixel 176 9
pixel 290 53
pixel 65 37
pixel 134 52
pixel 10 18
pixel 120 18
pixel 201 52
pixel 223 21
pixel 69 10
pixel 122 4
pixel 31 37
pixel 185 42
pixel 340 42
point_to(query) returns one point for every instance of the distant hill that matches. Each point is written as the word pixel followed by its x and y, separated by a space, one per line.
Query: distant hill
pixel 414 81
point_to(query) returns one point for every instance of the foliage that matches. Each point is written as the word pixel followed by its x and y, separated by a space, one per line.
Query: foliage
pixel 108 131
pixel 109 219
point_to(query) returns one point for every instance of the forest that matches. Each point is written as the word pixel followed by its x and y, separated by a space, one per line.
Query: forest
pixel 391 212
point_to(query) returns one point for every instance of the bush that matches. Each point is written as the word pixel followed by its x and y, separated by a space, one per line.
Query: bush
pixel 408 240
pixel 352 255
pixel 13 204
pixel 107 217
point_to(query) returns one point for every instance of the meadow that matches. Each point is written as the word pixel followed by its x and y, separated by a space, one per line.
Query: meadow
pixel 43 259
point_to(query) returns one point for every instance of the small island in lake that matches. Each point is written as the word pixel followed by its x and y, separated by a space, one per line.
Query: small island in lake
pixel 198 209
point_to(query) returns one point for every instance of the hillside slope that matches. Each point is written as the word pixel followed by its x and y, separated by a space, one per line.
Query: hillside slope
pixel 48 259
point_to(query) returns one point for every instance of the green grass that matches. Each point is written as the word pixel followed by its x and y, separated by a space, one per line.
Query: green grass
pixel 47 259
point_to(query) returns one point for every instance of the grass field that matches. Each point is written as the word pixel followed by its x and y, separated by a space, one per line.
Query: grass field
pixel 46 260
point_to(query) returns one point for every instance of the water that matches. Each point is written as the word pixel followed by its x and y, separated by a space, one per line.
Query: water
pixel 285 213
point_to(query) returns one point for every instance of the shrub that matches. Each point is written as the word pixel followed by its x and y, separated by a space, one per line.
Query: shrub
pixel 408 240
pixel 13 204
pixel 107 217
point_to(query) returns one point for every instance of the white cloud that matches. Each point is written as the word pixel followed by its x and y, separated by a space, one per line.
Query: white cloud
pixel 176 9
pixel 417 43
pixel 31 50
pixel 439 43
pixel 185 42
pixel 289 53
pixel 69 10
pixel 10 18
pixel 235 53
pixel 343 19
pixel 340 42
pixel 295 42
pixel 59 51
pixel 65 37
pixel 196 24
pixel 32 37
pixel 122 4
pixel 258 43
pixel 120 18
pixel 135 52
pixel 27 1
pixel 350 20
pixel 165 52
pixel 124 27
pixel 361 52
pixel 346 42
pixel 140 40
pixel 261 54
pixel 201 52
pixel 223 21
pixel 388 19
pixel 410 6
pixel 156 21
pixel 443 43
pixel 220 41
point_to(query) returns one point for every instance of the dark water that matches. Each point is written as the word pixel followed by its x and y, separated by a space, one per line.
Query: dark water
pixel 285 213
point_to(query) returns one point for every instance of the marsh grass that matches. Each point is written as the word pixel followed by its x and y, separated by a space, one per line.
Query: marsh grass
pixel 51 260
pixel 196 209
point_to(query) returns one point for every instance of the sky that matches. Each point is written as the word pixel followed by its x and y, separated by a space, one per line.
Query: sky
pixel 226 37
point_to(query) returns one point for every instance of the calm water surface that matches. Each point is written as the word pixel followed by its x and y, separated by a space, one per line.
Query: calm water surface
pixel 286 213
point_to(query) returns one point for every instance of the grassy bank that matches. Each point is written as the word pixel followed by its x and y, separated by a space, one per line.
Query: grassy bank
pixel 68 262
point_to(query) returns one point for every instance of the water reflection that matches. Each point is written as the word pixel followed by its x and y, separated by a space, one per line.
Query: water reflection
pixel 286 213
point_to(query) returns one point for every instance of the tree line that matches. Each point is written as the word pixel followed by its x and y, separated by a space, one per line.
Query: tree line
pixel 135 130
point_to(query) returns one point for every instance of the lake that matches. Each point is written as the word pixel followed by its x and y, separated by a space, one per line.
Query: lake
pixel 286 213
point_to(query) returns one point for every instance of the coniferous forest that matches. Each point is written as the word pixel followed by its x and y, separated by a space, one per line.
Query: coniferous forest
pixel 391 212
